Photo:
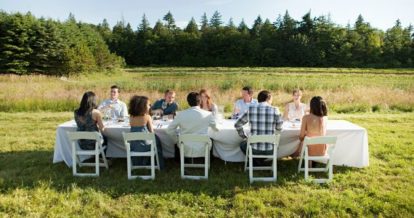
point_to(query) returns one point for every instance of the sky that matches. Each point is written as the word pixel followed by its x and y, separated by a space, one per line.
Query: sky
pixel 381 14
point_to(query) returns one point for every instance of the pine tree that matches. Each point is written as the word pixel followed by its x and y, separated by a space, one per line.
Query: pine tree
pixel 215 20
pixel 170 22
pixel 15 43
pixel 243 28
pixel 204 22
pixel 191 26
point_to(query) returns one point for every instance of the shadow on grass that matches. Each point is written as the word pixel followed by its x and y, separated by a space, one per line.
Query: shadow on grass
pixel 27 169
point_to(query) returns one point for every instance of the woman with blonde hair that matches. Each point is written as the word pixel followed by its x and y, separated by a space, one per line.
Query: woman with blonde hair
pixel 295 110
pixel 206 102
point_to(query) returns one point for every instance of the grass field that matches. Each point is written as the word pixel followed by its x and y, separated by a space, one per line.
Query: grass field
pixel 30 185
pixel 381 100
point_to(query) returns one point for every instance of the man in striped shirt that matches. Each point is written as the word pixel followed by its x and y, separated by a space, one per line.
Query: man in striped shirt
pixel 264 119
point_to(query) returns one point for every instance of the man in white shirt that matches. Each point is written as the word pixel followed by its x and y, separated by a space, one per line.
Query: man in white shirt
pixel 242 105
pixel 117 108
pixel 193 121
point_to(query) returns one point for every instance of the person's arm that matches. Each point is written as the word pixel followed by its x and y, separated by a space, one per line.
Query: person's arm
pixel 156 105
pixel 149 123
pixel 236 108
pixel 173 126
pixel 124 110
pixel 303 128
pixel 279 121
pixel 240 123
pixel 214 109
pixel 286 112
pixel 306 108
pixel 213 123
pixel 102 105
pixel 96 115
pixel 171 109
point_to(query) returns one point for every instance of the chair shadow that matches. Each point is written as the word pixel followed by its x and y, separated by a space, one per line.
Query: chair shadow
pixel 28 169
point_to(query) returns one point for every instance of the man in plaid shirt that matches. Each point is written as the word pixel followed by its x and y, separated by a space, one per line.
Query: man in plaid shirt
pixel 264 120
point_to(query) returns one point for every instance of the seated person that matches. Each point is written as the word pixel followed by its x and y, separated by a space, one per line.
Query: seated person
pixel 206 102
pixel 242 105
pixel 88 118
pixel 264 119
pixel 194 120
pixel 117 108
pixel 295 110
pixel 141 121
pixel 314 124
pixel 165 106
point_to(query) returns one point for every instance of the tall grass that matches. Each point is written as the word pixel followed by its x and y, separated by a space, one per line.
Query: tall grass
pixel 347 90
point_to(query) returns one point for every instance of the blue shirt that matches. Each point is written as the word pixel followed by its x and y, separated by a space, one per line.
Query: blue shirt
pixel 170 108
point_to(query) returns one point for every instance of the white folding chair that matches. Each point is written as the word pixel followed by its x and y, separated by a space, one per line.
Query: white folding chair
pixel 186 150
pixel 330 141
pixel 153 153
pixel 99 149
pixel 274 139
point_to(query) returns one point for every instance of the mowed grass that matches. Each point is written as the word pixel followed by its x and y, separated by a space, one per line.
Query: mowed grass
pixel 30 185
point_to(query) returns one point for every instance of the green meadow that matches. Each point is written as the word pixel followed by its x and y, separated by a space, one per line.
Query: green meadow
pixel 381 101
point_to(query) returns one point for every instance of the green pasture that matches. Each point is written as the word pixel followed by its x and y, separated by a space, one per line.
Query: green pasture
pixel 380 100
pixel 31 186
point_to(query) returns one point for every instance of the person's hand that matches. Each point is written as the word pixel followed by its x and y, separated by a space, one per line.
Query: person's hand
pixel 158 112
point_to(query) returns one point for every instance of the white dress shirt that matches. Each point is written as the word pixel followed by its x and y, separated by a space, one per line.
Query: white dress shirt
pixel 192 121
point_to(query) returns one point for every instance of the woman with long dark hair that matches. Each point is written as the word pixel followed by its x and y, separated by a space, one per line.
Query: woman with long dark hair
pixel 141 121
pixel 314 124
pixel 88 118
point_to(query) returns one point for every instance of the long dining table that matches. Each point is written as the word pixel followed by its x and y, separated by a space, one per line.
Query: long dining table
pixel 351 147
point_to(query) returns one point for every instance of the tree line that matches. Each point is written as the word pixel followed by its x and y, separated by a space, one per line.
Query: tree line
pixel 310 42
pixel 32 45
pixel 28 44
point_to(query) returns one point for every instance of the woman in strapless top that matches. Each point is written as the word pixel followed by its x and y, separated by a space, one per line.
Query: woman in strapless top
pixel 314 124
pixel 141 121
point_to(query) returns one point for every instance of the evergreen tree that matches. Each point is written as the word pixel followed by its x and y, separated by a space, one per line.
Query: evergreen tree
pixel 215 20
pixel 257 26
pixel 243 28
pixel 170 22
pixel 192 27
pixel 15 43
pixel 204 22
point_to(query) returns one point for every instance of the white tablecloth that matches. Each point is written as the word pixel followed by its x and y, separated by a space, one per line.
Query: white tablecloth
pixel 116 147
pixel 351 147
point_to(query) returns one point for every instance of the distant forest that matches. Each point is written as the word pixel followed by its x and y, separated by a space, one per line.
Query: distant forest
pixel 37 45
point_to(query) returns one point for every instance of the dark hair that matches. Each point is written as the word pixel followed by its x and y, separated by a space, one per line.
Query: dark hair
pixel 138 106
pixel 318 106
pixel 263 96
pixel 248 89
pixel 193 99
pixel 115 87
pixel 87 104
